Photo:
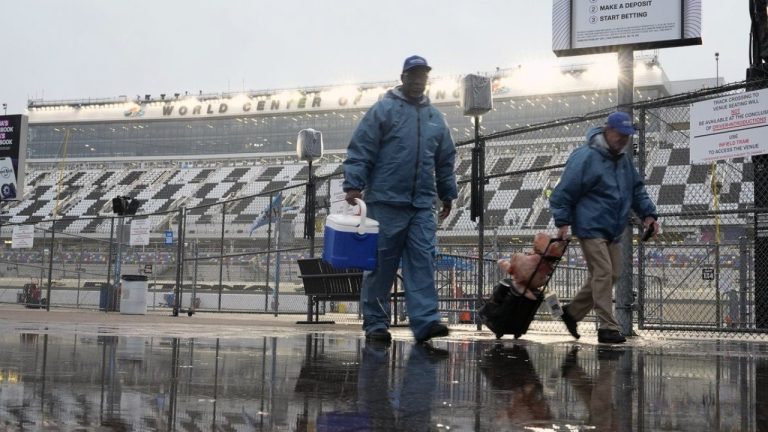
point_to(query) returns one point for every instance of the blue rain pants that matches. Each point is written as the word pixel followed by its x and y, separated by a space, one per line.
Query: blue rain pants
pixel 409 233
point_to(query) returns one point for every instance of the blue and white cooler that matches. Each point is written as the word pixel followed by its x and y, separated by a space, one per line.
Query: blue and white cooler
pixel 351 241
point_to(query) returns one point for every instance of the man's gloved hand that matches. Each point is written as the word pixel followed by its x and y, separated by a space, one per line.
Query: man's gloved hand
pixel 447 206
pixel 352 194
pixel 653 224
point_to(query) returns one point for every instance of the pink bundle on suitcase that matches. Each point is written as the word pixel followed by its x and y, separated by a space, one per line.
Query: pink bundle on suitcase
pixel 531 271
pixel 514 301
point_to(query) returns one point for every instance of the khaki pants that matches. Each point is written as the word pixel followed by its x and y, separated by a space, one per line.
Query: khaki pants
pixel 604 266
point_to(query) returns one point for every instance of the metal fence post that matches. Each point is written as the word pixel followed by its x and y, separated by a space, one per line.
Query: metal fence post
pixel 309 224
pixel 309 211
pixel 477 207
pixel 269 249
pixel 111 249
pixel 718 308
pixel 221 252
pixel 179 264
pixel 50 266
pixel 194 274
pixel 278 238
pixel 42 259
pixel 79 270
pixel 743 285
pixel 118 262
pixel 641 268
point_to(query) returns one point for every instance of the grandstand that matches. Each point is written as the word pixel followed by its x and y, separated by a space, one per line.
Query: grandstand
pixel 207 167
pixel 146 149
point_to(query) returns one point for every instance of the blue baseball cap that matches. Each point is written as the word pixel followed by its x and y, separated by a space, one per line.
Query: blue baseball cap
pixel 621 122
pixel 415 61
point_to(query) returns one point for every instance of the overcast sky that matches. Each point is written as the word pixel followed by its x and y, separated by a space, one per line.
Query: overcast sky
pixel 78 49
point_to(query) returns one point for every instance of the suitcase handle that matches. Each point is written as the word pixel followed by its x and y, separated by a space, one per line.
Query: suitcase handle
pixel 551 258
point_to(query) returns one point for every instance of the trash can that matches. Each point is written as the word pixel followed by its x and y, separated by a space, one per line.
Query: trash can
pixel 133 294
pixel 108 298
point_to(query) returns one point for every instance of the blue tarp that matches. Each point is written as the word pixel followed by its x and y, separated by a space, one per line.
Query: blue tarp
pixel 450 262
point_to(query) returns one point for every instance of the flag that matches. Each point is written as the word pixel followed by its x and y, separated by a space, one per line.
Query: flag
pixel 270 212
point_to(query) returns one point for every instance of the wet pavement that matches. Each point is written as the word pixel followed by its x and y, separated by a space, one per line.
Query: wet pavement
pixel 151 374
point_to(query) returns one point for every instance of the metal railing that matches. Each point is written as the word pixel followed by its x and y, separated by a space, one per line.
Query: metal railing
pixel 702 274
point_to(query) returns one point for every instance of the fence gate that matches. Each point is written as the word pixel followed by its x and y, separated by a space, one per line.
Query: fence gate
pixel 694 287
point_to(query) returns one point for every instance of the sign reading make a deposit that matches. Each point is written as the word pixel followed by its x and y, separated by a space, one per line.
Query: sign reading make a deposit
pixel 601 22
pixel 729 127
pixel 593 26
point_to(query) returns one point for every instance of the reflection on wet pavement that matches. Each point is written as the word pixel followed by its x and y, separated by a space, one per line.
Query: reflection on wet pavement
pixel 338 382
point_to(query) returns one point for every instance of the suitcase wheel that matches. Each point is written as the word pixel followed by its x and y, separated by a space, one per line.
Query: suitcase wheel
pixel 499 335
pixel 517 335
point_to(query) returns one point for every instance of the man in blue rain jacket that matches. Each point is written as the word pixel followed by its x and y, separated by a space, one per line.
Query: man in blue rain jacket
pixel 599 186
pixel 401 157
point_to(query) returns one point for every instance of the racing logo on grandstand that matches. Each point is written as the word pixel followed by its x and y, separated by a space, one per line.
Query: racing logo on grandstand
pixel 135 111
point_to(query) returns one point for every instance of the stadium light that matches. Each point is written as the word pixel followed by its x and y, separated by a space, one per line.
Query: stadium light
pixel 446 85
pixel 345 92
pixel 604 75
pixel 573 69
pixel 539 76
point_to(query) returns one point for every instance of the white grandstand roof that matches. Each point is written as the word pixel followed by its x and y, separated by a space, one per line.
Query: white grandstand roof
pixel 524 80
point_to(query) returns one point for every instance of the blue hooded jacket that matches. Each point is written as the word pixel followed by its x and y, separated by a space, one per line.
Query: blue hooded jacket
pixel 597 190
pixel 402 154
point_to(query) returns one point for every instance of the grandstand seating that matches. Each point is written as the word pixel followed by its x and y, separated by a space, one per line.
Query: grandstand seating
pixel 517 201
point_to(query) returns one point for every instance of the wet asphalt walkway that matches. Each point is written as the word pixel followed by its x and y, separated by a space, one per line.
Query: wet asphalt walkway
pixel 82 370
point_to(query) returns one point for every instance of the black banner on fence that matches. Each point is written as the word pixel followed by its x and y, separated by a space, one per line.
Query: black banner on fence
pixel 13 155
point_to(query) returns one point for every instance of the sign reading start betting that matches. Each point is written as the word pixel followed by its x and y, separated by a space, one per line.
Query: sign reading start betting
pixel 595 26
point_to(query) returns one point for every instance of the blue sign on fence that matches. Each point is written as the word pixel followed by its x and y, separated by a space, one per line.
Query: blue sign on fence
pixel 168 237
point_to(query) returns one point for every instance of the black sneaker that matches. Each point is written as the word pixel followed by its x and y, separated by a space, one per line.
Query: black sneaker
pixel 570 323
pixel 379 335
pixel 610 336
pixel 435 330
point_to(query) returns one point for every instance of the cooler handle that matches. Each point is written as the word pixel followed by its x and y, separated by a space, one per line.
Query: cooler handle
pixel 363 211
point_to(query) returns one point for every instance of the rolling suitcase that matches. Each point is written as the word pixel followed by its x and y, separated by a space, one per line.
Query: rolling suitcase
pixel 509 310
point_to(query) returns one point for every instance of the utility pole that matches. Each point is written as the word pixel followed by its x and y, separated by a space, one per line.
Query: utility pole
pixel 717 69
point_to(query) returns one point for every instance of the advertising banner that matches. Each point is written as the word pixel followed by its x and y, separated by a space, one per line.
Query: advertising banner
pixel 729 127
pixel 13 156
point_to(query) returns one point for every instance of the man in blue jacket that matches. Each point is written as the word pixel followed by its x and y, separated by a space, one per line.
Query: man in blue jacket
pixel 402 156
pixel 598 188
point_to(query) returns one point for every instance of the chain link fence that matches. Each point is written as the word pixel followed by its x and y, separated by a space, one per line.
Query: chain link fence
pixel 706 261
pixel 700 274
pixel 704 273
